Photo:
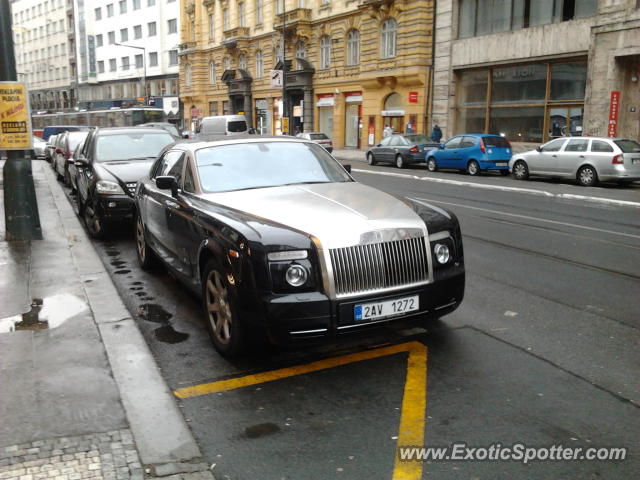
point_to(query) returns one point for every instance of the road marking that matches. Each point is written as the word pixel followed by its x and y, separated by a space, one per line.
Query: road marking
pixel 414 399
pixel 527 217
pixel 529 191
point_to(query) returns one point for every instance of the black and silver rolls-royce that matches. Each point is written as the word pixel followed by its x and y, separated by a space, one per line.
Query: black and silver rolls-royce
pixel 280 240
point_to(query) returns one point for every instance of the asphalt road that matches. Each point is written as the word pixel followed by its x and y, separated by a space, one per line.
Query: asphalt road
pixel 544 349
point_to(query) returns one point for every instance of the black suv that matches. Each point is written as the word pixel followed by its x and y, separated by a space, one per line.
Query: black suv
pixel 108 168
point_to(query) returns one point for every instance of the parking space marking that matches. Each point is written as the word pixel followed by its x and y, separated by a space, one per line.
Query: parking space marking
pixel 414 399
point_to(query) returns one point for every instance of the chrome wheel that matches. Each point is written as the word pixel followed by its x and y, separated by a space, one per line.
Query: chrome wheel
pixel 399 161
pixel 93 221
pixel 371 159
pixel 218 309
pixel 520 171
pixel 473 168
pixel 587 176
pixel 140 241
pixel 431 165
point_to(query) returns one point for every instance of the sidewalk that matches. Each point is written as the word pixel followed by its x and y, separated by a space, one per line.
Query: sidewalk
pixel 81 396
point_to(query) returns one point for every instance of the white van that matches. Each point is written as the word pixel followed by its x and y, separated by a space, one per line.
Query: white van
pixel 223 125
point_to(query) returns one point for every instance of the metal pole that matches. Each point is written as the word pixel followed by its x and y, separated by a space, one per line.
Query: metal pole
pixel 285 111
pixel 144 75
pixel 22 220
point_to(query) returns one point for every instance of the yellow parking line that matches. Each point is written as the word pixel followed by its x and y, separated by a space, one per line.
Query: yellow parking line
pixel 414 399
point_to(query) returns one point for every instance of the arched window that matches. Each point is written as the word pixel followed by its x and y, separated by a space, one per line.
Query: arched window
pixel 259 64
pixel 212 73
pixel 393 102
pixel 187 75
pixel 242 61
pixel 353 47
pixel 325 52
pixel 241 21
pixel 388 38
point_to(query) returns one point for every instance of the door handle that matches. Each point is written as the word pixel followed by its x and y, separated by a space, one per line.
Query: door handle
pixel 171 204
pixel 554 156
pixel 581 156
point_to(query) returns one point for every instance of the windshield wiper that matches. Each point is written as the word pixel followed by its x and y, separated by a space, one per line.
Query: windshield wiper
pixel 303 183
pixel 139 158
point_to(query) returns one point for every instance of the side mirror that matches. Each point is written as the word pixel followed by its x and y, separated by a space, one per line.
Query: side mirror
pixel 185 135
pixel 347 168
pixel 379 145
pixel 441 146
pixel 167 183
pixel 538 148
pixel 81 161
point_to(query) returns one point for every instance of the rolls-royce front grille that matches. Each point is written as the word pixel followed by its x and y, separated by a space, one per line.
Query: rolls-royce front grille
pixel 379 266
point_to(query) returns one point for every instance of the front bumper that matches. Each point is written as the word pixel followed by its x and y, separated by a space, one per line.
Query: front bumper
pixel 115 207
pixel 302 317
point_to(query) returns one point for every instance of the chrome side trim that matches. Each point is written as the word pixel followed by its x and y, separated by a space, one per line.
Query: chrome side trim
pixel 304 332
pixel 450 304
pixel 439 236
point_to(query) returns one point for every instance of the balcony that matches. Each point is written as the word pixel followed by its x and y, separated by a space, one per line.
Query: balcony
pixel 236 37
pixel 292 18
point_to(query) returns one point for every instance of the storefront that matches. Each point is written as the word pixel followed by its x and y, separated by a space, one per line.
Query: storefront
pixel 525 103
pixel 263 116
pixel 352 119
pixel 393 113
pixel 325 105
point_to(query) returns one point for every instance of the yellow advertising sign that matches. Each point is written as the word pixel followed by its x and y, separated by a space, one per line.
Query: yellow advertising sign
pixel 15 120
pixel 285 124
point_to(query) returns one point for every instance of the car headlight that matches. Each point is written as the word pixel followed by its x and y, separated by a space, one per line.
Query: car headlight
pixel 106 186
pixel 442 253
pixel 296 275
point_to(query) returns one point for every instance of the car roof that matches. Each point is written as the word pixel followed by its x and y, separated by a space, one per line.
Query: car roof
pixel 216 140
pixel 120 130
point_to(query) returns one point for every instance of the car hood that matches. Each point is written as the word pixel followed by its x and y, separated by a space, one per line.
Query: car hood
pixel 124 171
pixel 337 214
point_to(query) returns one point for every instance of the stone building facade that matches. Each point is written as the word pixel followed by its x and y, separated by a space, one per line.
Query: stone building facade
pixel 352 67
pixel 534 70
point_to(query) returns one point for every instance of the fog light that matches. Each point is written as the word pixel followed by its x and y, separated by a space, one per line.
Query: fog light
pixel 111 204
pixel 442 253
pixel 296 275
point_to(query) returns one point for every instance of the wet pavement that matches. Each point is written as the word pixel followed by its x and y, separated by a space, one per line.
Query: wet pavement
pixel 542 351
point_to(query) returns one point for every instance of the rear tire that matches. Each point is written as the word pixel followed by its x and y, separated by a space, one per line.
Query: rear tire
pixel 147 258
pixel 587 176
pixel 473 168
pixel 400 161
pixel 223 323
pixel 520 170
pixel 371 160
pixel 431 165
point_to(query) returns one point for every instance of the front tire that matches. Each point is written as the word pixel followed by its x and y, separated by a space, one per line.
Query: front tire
pixel 371 160
pixel 520 170
pixel 399 161
pixel 473 168
pixel 146 257
pixel 431 164
pixel 220 311
pixel 587 176
pixel 93 220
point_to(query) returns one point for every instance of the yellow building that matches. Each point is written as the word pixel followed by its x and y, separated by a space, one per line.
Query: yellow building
pixel 353 66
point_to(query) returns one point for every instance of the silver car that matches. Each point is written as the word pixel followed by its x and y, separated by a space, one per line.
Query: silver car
pixel 586 159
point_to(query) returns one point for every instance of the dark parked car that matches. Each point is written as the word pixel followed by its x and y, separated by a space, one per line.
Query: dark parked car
pixel 279 240
pixel 319 138
pixel 73 169
pixel 56 129
pixel 65 147
pixel 50 148
pixel 111 162
pixel 401 149
pixel 169 127
pixel 472 153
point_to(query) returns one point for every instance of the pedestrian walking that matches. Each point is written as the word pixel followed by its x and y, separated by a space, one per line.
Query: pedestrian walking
pixel 388 130
pixel 436 133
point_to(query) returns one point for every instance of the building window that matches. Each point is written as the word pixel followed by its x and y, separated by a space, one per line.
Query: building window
pixel 173 57
pixel 99 40
pixel 172 25
pixel 225 19
pixel 112 64
pixel 212 73
pixel 137 31
pixel 525 103
pixel 279 6
pixel 110 10
pixel 277 52
pixel 388 39
pixel 484 17
pixel 353 47
pixel 151 3
pixel 153 59
pixel 123 6
pixel 259 64
pixel 112 37
pixel 98 12
pixel 242 61
pixel 325 52
pixel 151 27
pixel 301 53
pixel 124 35
pixel 241 14
pixel 125 63
pixel 212 27
pixel 227 63
pixel 136 4
pixel 259 6
pixel 101 66
pixel 187 75
pixel 139 60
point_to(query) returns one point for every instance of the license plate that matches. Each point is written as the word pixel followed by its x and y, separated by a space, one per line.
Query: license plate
pixel 501 164
pixel 635 161
pixel 388 308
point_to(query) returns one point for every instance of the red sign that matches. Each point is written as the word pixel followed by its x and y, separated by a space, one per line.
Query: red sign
pixel 413 97
pixel 614 107
pixel 195 112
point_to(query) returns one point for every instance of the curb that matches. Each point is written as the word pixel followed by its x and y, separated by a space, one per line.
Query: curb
pixel 161 434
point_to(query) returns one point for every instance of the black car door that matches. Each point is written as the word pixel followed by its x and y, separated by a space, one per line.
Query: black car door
pixel 382 151
pixel 84 173
pixel 158 205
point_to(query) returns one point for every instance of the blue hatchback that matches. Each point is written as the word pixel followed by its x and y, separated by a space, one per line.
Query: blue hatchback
pixel 472 153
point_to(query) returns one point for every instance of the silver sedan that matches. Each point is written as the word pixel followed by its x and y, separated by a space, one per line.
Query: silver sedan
pixel 586 159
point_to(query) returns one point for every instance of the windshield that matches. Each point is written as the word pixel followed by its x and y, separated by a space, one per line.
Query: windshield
pixel 496 142
pixel 237 126
pixel 126 146
pixel 628 146
pixel 266 164
pixel 75 138
pixel 317 136
pixel 419 139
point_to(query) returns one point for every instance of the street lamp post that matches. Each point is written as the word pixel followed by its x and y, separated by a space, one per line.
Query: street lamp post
pixel 144 67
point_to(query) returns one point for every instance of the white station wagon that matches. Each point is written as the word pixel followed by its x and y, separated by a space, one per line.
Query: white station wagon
pixel 587 159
